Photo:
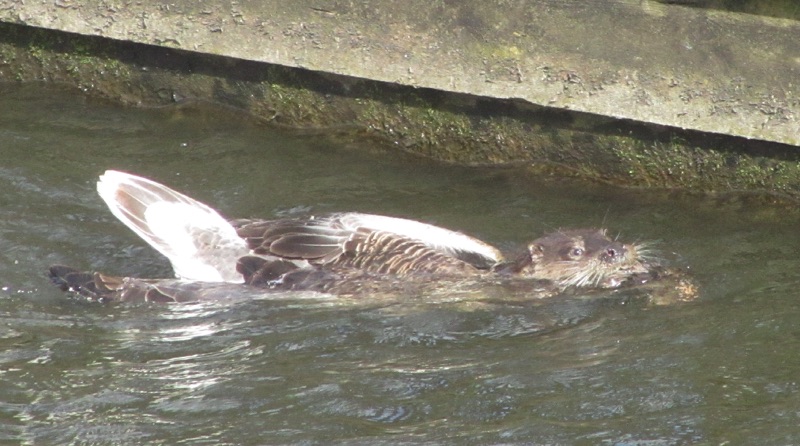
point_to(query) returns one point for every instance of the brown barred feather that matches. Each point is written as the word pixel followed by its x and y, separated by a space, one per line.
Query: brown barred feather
pixel 305 246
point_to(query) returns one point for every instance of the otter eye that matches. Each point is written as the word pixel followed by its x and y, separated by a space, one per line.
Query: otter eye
pixel 611 252
pixel 576 252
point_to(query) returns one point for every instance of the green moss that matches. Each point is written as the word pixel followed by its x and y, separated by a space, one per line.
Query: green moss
pixel 447 127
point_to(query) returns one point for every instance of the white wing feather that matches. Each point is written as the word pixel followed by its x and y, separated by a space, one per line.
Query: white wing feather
pixel 450 242
pixel 200 243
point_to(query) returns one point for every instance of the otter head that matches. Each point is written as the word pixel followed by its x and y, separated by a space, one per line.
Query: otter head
pixel 581 258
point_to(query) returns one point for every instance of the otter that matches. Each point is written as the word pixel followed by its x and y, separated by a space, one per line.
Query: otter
pixel 335 253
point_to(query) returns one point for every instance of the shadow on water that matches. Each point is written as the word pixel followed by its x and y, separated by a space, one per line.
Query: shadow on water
pixel 296 368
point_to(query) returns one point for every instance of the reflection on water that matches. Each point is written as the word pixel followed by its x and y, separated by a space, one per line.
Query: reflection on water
pixel 296 368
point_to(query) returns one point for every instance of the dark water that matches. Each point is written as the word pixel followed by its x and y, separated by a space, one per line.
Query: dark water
pixel 292 370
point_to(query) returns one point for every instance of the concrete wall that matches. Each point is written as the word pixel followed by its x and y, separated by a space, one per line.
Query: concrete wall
pixel 690 68
pixel 463 81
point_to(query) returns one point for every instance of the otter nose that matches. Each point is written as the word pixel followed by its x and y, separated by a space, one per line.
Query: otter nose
pixel 613 252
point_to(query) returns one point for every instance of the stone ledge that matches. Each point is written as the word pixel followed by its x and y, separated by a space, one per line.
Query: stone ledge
pixel 688 68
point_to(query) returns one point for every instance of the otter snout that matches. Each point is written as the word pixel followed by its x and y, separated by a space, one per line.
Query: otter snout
pixel 613 253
